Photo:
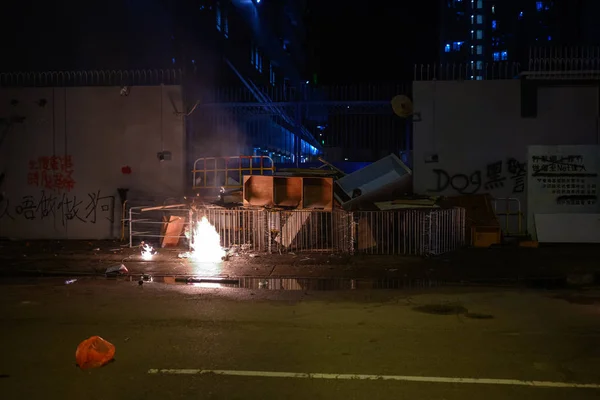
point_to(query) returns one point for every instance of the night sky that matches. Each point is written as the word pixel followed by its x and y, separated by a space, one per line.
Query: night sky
pixel 371 40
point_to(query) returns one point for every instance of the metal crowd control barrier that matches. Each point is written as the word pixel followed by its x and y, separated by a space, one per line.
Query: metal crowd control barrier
pixel 228 172
pixel 149 223
pixel 410 232
pixel 424 232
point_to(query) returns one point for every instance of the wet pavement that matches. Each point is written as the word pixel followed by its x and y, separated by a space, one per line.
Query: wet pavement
pixel 230 343
pixel 544 267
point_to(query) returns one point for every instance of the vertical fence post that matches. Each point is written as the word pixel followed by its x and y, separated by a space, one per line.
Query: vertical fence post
pixel 350 233
pixel 268 218
pixel 190 227
pixel 130 227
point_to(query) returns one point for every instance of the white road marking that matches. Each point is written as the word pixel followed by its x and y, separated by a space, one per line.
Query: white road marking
pixel 406 378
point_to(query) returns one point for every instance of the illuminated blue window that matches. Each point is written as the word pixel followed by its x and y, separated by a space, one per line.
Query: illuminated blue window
pixel 221 20
pixel 447 48
pixel 549 38
pixel 494 25
pixel 271 74
pixel 539 5
pixel 456 46
pixel 521 15
pixel 256 58
pixel 496 56
pixel 504 55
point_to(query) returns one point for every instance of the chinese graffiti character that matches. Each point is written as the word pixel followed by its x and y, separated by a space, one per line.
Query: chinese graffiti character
pixel 494 176
pixel 46 205
pixel 55 163
pixel 47 181
pixel 69 208
pixel 518 172
pixel 44 163
pixel 64 181
pixel 5 208
pixel 106 204
pixel 52 173
pixel 27 208
pixel 33 178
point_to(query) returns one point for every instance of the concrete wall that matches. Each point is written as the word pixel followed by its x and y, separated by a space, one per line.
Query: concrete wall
pixel 472 138
pixel 75 147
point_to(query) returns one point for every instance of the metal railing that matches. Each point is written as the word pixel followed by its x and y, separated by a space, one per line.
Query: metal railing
pixel 158 225
pixel 467 71
pixel 228 172
pixel 446 231
pixel 246 228
pixel 92 78
pixel 564 62
pixel 424 232
pixel 310 230
pixel 410 232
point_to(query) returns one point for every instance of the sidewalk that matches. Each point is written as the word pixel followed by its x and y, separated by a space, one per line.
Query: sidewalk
pixel 77 258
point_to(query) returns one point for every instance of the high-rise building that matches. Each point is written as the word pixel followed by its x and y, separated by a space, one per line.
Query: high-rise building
pixel 478 32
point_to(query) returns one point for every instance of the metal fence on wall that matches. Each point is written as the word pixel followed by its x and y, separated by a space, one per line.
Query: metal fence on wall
pixel 545 62
pixel 423 232
pixel 467 71
pixel 140 77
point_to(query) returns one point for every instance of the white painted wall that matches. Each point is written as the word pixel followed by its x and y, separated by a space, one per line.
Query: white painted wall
pixel 97 132
pixel 475 127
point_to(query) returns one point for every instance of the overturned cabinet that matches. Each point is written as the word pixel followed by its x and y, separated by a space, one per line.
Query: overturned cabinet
pixel 305 193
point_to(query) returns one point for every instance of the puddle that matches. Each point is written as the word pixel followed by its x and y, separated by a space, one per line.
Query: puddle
pixel 313 284
pixel 441 309
pixel 450 309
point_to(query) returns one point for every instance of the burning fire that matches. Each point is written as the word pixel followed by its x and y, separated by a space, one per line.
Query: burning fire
pixel 206 243
pixel 147 252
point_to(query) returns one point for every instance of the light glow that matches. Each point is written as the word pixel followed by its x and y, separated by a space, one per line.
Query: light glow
pixel 206 243
pixel 208 285
pixel 147 252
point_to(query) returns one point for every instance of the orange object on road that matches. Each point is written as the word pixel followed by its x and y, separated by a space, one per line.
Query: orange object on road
pixel 94 352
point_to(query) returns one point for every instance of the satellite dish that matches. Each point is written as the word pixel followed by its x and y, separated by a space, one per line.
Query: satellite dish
pixel 402 106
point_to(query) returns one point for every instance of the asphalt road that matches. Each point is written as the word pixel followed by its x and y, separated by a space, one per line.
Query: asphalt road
pixel 533 336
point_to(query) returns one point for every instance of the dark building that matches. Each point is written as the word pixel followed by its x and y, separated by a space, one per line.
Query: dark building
pixel 249 47
pixel 264 39
pixel 479 32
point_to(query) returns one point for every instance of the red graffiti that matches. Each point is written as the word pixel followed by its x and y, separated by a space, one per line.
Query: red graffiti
pixel 53 173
